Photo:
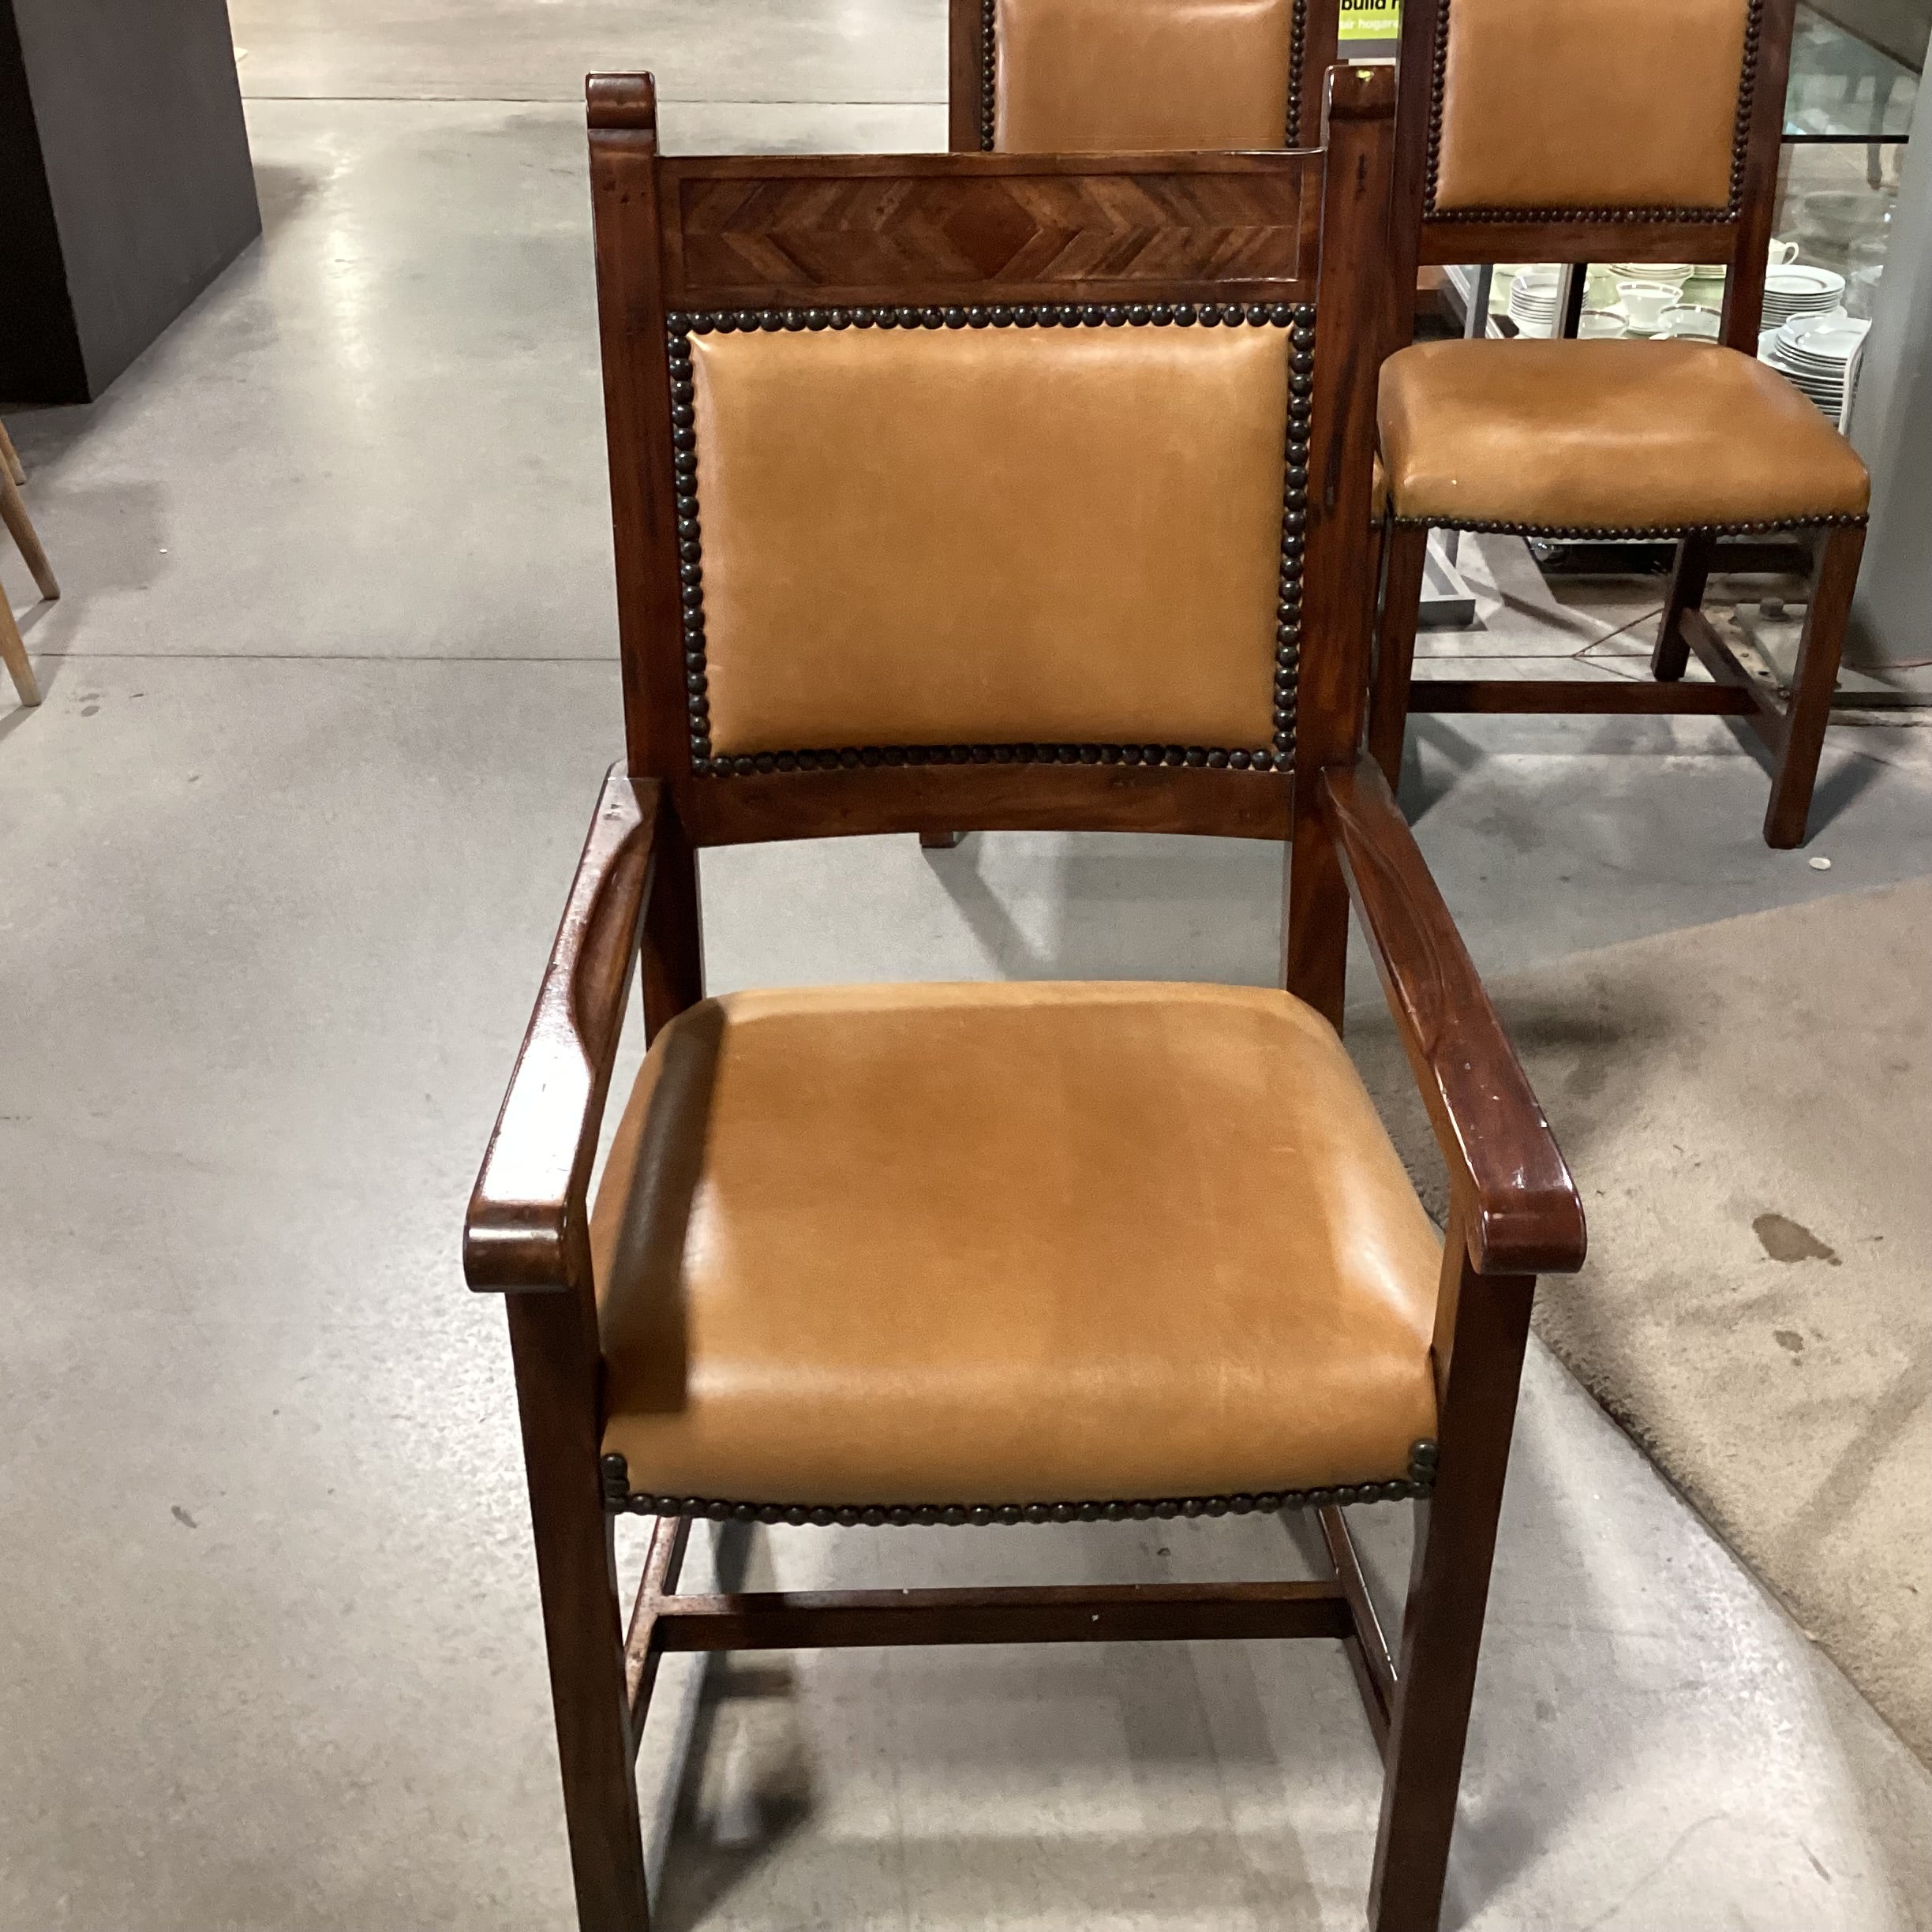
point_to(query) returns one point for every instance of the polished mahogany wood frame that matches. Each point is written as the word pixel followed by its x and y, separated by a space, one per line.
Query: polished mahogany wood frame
pixel 971 31
pixel 1515 1211
pixel 1739 238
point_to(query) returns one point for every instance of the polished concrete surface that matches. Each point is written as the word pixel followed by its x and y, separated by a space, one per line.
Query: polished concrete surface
pixel 328 699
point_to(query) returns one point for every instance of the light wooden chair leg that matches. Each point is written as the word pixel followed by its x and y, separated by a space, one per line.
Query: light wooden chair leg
pixel 1795 771
pixel 13 651
pixel 1405 552
pixel 9 457
pixel 14 514
pixel 1449 1591
pixel 1670 655
pixel 554 1346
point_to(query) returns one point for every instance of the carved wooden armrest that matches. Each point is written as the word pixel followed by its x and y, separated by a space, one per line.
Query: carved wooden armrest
pixel 526 1224
pixel 1523 1214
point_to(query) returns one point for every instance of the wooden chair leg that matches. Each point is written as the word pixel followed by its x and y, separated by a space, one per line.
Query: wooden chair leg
pixel 939 841
pixel 1794 773
pixel 1670 654
pixel 1405 551
pixel 14 514
pixel 1449 1589
pixel 553 1341
pixel 9 457
pixel 14 654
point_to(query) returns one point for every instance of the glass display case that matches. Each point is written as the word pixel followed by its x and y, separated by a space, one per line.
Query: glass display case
pixel 1847 113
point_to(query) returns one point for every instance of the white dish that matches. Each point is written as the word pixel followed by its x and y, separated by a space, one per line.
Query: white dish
pixel 1834 334
pixel 1689 324
pixel 1801 279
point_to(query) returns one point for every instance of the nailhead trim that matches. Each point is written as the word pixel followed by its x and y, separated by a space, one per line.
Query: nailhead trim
pixel 1835 520
pixel 618 1499
pixel 989 73
pixel 1297 53
pixel 1740 152
pixel 1278 754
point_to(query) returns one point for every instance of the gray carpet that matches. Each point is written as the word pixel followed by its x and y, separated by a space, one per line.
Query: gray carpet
pixel 1747 1107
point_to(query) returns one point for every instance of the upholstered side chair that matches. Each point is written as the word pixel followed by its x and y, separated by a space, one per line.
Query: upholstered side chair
pixel 1006 492
pixel 1574 130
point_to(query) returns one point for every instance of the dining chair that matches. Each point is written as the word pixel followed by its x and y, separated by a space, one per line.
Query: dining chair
pixel 1002 492
pixel 1574 130
pixel 14 514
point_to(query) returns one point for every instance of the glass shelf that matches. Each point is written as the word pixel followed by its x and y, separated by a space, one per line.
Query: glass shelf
pixel 1853 76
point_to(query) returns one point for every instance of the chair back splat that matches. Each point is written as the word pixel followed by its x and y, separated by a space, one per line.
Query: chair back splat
pixel 992 490
pixel 1089 75
pixel 1587 130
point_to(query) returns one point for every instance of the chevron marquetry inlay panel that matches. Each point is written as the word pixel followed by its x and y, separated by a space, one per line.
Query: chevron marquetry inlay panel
pixel 793 236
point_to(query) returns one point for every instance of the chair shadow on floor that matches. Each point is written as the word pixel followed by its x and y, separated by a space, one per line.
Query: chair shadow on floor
pixel 1425 783
pixel 1845 776
pixel 1436 757
pixel 1119 916
pixel 744 1790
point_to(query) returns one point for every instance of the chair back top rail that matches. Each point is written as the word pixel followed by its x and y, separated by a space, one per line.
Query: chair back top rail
pixel 689 249
pixel 791 231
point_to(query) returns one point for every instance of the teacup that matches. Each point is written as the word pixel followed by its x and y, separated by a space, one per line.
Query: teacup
pixel 1782 254
pixel 1645 302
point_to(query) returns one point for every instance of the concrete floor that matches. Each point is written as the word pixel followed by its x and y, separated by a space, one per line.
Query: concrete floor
pixel 327 703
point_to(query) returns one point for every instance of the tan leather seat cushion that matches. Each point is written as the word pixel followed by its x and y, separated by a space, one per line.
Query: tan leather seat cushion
pixel 1590 103
pixel 1076 76
pixel 1659 435
pixel 1008 1244
pixel 991 536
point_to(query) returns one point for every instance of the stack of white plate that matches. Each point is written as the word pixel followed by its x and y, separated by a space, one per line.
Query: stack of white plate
pixel 1798 289
pixel 1814 352
pixel 1532 302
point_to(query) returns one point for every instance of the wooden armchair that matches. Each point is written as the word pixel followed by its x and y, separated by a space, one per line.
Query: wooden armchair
pixel 917 526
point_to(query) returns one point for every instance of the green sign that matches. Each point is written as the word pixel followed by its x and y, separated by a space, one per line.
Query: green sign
pixel 1370 20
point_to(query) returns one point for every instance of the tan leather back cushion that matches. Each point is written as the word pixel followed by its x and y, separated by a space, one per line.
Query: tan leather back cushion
pixel 916 537
pixel 1076 76
pixel 1590 103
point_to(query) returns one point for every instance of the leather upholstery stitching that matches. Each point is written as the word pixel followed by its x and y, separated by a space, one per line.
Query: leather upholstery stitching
pixel 1740 152
pixel 988 73
pixel 1279 755
pixel 618 1498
